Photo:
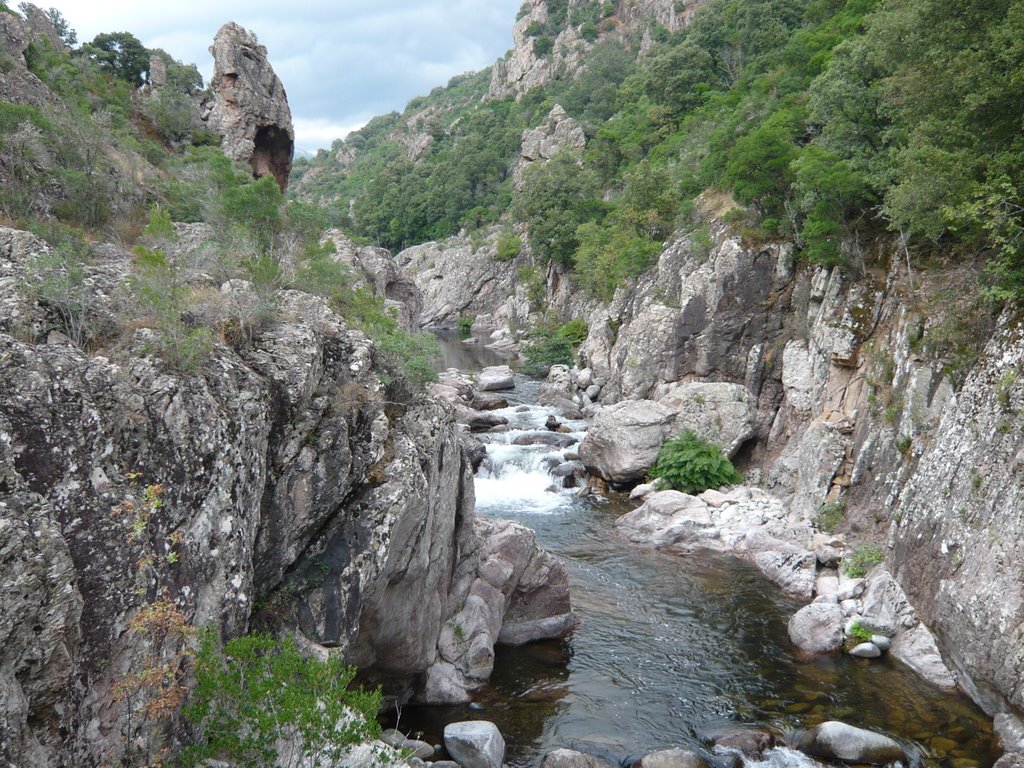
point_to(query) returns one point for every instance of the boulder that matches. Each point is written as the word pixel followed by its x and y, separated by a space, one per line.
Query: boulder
pixel 250 109
pixel 793 571
pixel 1010 760
pixel 721 413
pixel 817 628
pixel 624 439
pixel 475 744
pixel 485 401
pixel 1010 730
pixel 495 377
pixel 552 439
pixel 672 758
pixel 752 744
pixel 570 758
pixel 916 648
pixel 834 740
pixel 866 651
pixel 481 421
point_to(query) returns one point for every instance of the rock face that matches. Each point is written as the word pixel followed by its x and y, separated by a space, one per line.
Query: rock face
pixel 959 524
pixel 250 108
pixel 833 740
pixel 286 479
pixel 558 132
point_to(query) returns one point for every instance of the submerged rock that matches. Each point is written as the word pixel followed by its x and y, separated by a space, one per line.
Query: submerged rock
pixel 672 758
pixel 834 740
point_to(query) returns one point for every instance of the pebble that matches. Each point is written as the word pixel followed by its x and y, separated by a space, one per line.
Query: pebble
pixel 866 651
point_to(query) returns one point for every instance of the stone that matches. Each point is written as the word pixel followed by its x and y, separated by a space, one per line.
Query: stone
pixel 672 758
pixel 833 740
pixel 1010 760
pixel 250 109
pixel 623 441
pixel 866 651
pixel 475 744
pixel 485 401
pixel 495 377
pixel 721 413
pixel 792 571
pixel 554 440
pixel 481 421
pixel 917 649
pixel 882 642
pixel 817 628
pixel 642 490
pixel 829 549
pixel 751 744
pixel 1010 730
pixel 570 758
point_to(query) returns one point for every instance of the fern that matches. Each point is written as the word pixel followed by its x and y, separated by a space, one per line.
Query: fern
pixel 692 465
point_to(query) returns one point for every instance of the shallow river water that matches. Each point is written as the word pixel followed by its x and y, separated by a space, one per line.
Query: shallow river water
pixel 672 650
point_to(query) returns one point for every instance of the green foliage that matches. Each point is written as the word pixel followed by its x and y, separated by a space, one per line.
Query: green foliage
pixel 121 54
pixel 691 465
pixel 862 560
pixel 830 516
pixel 556 198
pixel 859 633
pixel 610 254
pixel 508 246
pixel 57 280
pixel 257 690
pixel 553 345
pixel 160 287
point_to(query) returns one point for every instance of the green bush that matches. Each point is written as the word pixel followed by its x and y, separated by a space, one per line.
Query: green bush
pixel 692 465
pixel 548 346
pixel 257 690
pixel 862 559
pixel 508 246
pixel 859 633
pixel 830 515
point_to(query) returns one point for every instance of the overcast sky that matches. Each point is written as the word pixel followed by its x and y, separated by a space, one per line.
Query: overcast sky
pixel 341 61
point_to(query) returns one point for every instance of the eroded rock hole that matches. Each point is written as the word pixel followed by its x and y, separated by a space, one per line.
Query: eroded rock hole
pixel 272 154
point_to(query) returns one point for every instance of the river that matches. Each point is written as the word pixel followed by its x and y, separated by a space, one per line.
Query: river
pixel 671 650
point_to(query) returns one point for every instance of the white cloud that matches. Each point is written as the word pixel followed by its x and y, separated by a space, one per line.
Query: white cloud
pixel 341 62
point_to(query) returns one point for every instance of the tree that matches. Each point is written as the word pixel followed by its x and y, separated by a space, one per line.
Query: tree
pixel 122 55
pixel 555 199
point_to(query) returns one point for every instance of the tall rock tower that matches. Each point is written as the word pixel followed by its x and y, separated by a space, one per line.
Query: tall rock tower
pixel 250 108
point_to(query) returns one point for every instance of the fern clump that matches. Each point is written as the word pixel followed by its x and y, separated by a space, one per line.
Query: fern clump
pixel 692 465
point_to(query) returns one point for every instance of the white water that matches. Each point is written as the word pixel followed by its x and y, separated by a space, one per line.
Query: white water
pixel 519 474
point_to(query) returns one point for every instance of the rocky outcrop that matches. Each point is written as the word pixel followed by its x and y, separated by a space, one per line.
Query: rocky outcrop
pixel 282 479
pixel 376 271
pixel 17 84
pixel 557 133
pixel 957 527
pixel 505 590
pixel 458 278
pixel 250 108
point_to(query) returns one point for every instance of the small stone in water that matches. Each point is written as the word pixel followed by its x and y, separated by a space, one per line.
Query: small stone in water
pixel 476 706
pixel 866 651
pixel 883 642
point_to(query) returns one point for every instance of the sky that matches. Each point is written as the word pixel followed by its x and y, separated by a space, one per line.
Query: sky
pixel 341 61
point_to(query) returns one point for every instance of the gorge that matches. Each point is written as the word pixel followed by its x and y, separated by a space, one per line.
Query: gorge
pixel 218 411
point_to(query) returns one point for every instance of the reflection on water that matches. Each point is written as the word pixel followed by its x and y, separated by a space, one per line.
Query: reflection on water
pixel 456 353
pixel 674 650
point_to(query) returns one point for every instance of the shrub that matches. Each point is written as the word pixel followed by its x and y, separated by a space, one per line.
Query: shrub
pixel 830 515
pixel 553 346
pixel 863 558
pixel 257 690
pixel 692 465
pixel 508 246
pixel 859 633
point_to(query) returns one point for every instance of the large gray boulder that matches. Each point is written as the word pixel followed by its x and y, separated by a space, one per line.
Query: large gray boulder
pixel 721 413
pixel 570 758
pixel 624 439
pixel 817 628
pixel 495 378
pixel 672 758
pixel 475 744
pixel 834 740
pixel 250 108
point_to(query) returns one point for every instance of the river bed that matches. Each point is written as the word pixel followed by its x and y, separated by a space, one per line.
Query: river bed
pixel 673 650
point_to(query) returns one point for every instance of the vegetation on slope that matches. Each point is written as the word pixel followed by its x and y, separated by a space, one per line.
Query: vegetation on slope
pixel 108 160
pixel 825 118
